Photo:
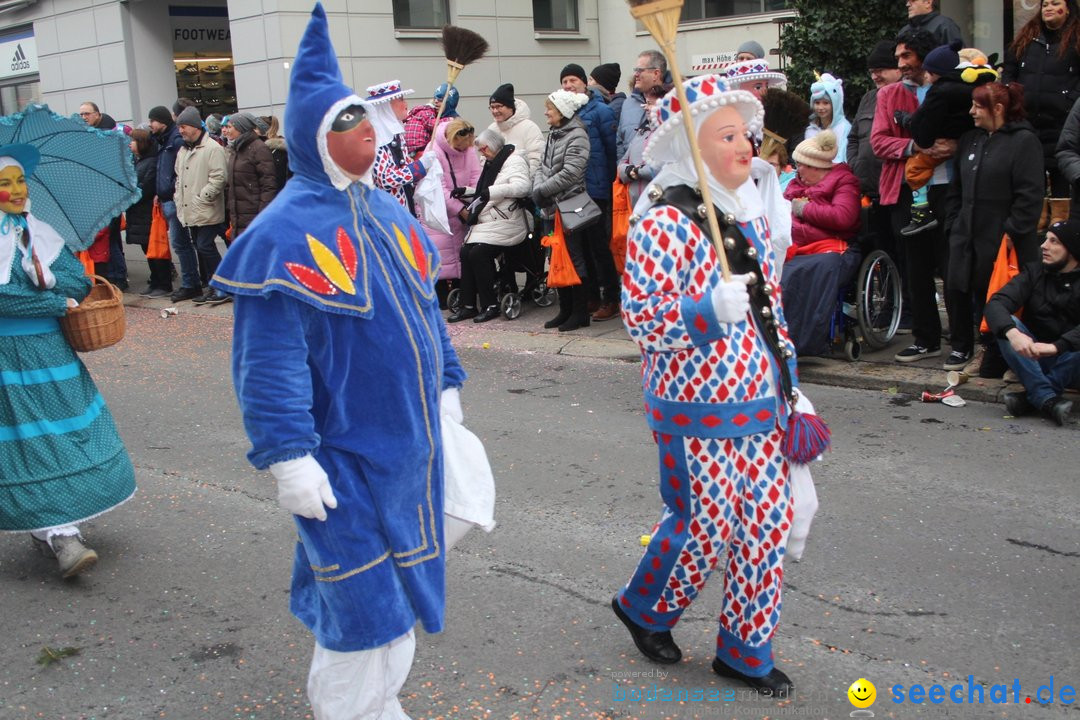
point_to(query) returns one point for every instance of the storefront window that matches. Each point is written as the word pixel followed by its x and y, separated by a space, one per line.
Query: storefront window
pixel 421 14
pixel 706 9
pixel 555 15
pixel 15 97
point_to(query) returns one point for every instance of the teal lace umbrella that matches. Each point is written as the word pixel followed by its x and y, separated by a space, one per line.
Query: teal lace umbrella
pixel 86 176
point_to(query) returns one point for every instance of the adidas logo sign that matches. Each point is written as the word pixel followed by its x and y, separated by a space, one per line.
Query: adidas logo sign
pixel 19 60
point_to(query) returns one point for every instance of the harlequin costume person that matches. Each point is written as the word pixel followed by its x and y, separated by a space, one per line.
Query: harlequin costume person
pixel 394 171
pixel 341 364
pixel 718 369
pixel 61 459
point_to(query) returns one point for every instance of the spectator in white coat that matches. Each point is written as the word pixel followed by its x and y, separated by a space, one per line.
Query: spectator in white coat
pixel 513 122
pixel 500 222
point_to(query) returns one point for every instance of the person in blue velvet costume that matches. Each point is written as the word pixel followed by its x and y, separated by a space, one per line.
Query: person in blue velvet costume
pixel 342 366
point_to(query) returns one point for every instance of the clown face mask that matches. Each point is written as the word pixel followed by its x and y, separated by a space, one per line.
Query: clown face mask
pixel 351 141
pixel 725 147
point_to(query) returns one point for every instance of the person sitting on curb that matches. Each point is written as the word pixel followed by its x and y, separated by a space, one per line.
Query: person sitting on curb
pixel 1044 348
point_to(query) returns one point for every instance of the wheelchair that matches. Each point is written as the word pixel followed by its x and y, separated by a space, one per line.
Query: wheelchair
pixel 868 311
pixel 864 310
pixel 528 258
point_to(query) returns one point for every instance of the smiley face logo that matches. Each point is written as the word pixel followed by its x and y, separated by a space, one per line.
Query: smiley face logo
pixel 862 693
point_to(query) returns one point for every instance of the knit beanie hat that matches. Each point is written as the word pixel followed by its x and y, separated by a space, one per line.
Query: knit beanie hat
pixel 818 151
pixel 751 46
pixel 607 76
pixel 213 124
pixel 575 70
pixel 189 116
pixel 491 139
pixel 1068 232
pixel 242 122
pixel 503 95
pixel 161 114
pixel 944 59
pixel 568 103
pixel 261 124
pixel 882 56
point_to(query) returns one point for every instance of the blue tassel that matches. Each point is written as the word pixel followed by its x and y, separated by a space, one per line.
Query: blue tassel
pixel 807 437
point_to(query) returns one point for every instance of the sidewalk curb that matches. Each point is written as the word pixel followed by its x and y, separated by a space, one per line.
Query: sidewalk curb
pixel 609 341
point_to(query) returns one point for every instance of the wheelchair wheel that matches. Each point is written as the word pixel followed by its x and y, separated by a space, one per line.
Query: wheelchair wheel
pixel 542 295
pixel 852 349
pixel 453 300
pixel 877 299
pixel 510 306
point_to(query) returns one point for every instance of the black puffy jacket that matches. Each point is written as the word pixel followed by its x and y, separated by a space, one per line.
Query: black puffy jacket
pixel 1051 83
pixel 140 215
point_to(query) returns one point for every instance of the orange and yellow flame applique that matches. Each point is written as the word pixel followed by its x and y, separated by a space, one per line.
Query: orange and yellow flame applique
pixel 333 274
pixel 413 250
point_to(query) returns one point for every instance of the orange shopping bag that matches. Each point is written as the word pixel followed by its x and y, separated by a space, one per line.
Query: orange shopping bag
pixel 620 223
pixel 158 247
pixel 561 272
pixel 1006 267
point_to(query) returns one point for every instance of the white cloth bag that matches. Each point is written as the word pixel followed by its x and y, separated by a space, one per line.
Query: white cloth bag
pixel 804 500
pixel 469 494
pixel 430 201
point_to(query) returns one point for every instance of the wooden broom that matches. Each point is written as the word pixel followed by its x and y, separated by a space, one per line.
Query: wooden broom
pixel 461 47
pixel 661 19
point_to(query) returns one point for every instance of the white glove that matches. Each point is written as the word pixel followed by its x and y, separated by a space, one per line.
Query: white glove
pixel 730 299
pixel 427 160
pixel 303 488
pixel 803 404
pixel 450 405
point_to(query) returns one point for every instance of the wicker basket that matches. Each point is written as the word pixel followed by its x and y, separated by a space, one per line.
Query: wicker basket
pixel 98 321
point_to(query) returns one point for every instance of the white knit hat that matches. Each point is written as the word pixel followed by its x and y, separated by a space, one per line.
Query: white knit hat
pixel 818 151
pixel 568 103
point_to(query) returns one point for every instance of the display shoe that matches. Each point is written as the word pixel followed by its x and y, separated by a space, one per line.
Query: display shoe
pixel 1017 404
pixel 491 313
pixel 657 646
pixel 72 555
pixel 775 684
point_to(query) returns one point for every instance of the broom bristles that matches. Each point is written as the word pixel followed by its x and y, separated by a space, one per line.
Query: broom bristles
pixel 462 45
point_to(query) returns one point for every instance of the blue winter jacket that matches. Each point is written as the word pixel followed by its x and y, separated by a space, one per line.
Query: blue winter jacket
pixel 166 163
pixel 601 123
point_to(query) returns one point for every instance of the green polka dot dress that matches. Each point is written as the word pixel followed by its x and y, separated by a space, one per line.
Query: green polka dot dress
pixel 61 458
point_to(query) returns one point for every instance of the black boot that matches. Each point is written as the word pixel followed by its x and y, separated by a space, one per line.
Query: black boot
pixel 579 315
pixel 775 684
pixel 657 646
pixel 565 306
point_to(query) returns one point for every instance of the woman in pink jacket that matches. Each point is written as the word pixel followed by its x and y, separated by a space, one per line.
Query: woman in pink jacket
pixel 461 169
pixel 825 215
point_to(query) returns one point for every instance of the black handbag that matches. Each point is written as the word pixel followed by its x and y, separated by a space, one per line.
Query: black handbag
pixel 578 212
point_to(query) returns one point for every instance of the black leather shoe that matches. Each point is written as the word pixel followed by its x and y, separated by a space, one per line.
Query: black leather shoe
pixel 775 684
pixel 1058 410
pixel 463 314
pixel 1016 403
pixel 657 646
pixel 490 314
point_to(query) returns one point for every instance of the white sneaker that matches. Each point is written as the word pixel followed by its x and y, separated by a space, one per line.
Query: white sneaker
pixel 72 556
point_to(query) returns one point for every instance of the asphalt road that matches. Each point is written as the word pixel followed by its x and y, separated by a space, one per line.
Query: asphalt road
pixel 947 545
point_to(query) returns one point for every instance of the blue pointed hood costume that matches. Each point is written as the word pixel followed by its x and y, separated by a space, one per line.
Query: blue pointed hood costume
pixel 340 351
